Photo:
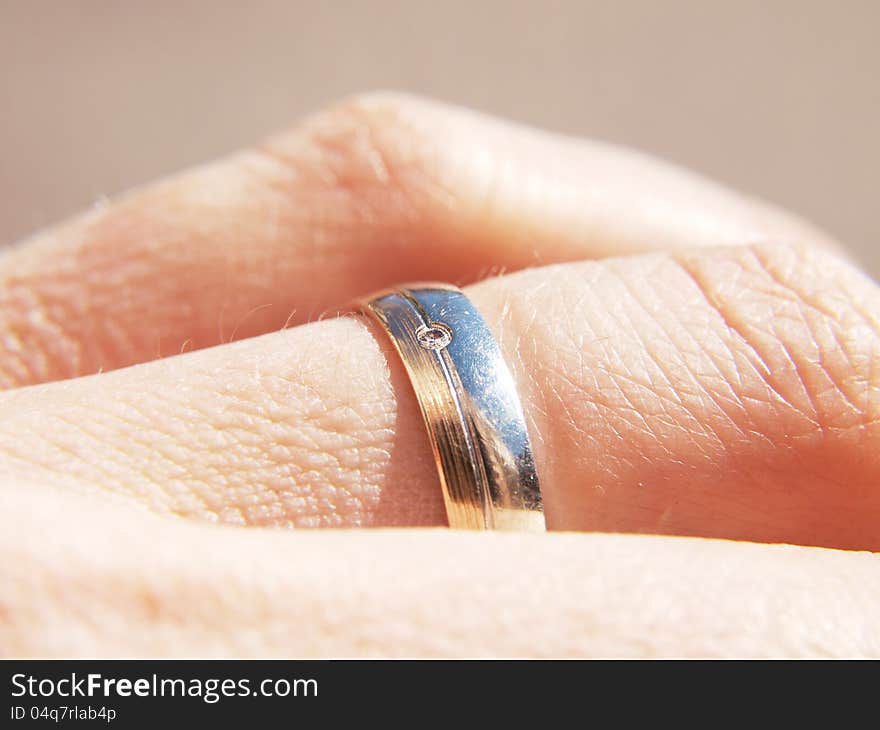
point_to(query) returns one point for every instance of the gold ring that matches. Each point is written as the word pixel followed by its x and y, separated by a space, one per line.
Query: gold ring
pixel 470 405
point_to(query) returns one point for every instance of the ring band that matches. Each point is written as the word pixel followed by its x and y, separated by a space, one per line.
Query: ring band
pixel 470 405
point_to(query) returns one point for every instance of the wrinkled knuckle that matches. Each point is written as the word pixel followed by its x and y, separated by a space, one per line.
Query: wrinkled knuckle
pixel 802 267
pixel 836 306
pixel 374 147
pixel 42 323
pixel 805 323
pixel 777 347
pixel 376 109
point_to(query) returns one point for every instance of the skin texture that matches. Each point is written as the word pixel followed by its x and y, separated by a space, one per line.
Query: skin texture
pixel 713 373
pixel 651 409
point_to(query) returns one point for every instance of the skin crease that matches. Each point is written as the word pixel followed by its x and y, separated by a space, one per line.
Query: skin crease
pixel 724 392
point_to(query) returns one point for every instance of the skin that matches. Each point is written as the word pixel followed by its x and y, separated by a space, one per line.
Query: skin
pixel 697 369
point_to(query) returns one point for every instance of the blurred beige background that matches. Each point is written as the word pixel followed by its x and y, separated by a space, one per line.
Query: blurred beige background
pixel 780 99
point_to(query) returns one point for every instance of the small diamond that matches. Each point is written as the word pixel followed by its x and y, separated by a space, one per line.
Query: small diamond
pixel 434 336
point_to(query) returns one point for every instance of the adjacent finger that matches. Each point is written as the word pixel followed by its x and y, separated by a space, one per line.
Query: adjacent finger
pixel 81 581
pixel 725 393
pixel 376 190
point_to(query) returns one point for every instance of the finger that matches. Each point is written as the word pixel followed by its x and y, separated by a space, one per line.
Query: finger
pixel 377 190
pixel 81 582
pixel 723 393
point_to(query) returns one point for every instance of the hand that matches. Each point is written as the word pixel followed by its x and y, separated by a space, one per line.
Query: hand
pixel 720 378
